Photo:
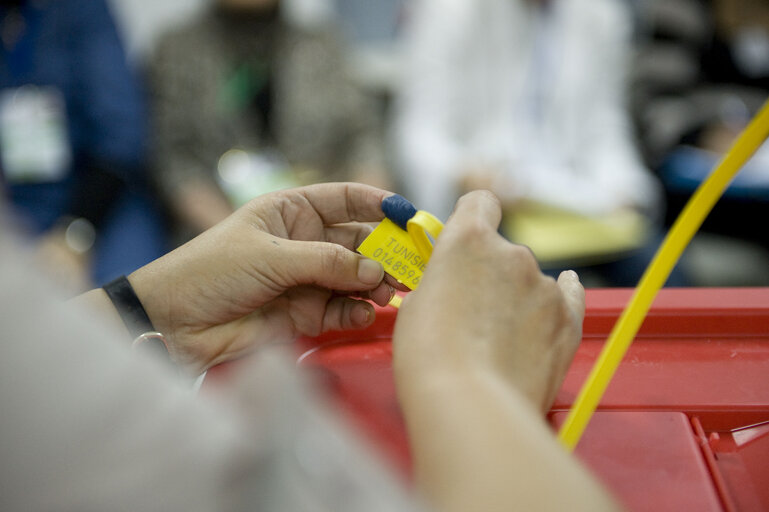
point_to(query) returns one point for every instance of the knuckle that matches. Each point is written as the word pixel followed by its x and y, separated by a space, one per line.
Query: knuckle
pixel 525 261
pixel 479 195
pixel 332 258
pixel 488 195
pixel 345 314
pixel 524 253
pixel 470 232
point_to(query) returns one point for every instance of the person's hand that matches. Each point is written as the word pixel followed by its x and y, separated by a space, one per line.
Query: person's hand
pixel 67 266
pixel 201 205
pixel 483 306
pixel 281 266
pixel 479 178
pixel 494 179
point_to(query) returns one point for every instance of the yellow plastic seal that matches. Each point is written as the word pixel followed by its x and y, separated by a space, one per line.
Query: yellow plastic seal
pixel 395 250
pixel 403 254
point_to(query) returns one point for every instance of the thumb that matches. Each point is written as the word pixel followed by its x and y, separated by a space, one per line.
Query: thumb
pixel 573 292
pixel 327 265
pixel 476 208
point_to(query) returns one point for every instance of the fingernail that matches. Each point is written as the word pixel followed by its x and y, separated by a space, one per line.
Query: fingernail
pixel 361 315
pixel 370 271
pixel 392 291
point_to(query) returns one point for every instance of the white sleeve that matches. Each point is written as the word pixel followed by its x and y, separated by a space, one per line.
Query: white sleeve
pixel 612 161
pixel 87 424
pixel 602 169
pixel 426 100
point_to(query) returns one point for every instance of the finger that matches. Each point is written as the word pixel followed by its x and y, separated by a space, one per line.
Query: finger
pixel 392 281
pixel 349 235
pixel 478 208
pixel 346 313
pixel 327 265
pixel 382 294
pixel 573 292
pixel 336 203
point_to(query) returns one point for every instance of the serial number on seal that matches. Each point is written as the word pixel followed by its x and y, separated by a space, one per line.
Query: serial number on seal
pixel 393 248
pixel 398 268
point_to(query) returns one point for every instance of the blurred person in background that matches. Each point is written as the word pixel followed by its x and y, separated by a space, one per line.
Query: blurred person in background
pixel 72 140
pixel 701 73
pixel 247 101
pixel 527 98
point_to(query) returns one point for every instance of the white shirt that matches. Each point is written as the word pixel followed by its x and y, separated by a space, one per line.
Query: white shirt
pixel 467 76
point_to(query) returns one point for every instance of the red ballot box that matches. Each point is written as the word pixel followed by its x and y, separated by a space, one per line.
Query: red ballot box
pixel 684 424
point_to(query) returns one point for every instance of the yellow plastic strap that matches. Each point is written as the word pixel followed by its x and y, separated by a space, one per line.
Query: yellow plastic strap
pixel 419 226
pixel 657 273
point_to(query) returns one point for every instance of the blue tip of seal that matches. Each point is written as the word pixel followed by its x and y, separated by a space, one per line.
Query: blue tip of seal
pixel 398 209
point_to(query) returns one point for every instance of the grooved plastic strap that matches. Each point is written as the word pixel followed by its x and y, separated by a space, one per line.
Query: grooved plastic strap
pixel 657 273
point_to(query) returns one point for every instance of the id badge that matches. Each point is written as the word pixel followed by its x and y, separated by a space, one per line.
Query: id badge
pixel 33 135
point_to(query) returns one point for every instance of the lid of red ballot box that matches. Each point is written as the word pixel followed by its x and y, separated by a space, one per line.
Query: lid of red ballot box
pixel 684 424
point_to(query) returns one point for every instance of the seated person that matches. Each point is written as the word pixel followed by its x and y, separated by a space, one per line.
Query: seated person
pixel 247 101
pixel 526 98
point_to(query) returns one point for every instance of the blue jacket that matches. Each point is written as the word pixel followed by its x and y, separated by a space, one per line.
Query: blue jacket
pixel 73 45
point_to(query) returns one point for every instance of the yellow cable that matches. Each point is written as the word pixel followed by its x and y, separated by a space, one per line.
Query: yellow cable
pixel 657 273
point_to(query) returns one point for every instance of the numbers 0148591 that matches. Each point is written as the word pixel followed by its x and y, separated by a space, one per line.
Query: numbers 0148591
pixel 396 267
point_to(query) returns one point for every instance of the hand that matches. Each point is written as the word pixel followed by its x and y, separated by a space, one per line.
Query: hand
pixel 66 265
pixel 281 266
pixel 484 307
pixel 201 205
pixel 492 178
pixel 374 175
pixel 478 178
pixel 486 177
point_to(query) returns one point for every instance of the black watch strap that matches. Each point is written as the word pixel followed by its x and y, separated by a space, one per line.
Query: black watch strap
pixel 128 305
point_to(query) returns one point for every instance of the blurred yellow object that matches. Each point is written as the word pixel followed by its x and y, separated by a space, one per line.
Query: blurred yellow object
pixel 560 236
pixel 657 273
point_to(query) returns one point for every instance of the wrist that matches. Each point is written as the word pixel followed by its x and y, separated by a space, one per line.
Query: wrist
pixel 129 307
pixel 134 317
pixel 435 385
pixel 154 286
pixel 153 297
pixel 448 385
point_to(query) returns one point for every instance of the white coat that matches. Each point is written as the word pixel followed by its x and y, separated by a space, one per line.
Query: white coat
pixel 467 85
